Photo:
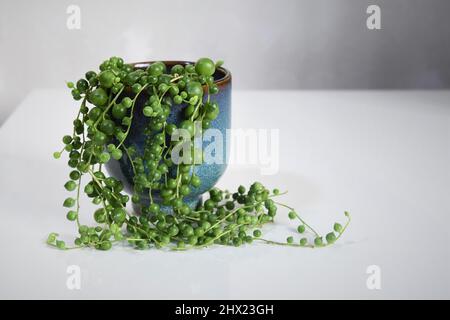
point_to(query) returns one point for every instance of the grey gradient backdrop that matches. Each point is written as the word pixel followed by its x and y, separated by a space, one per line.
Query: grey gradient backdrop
pixel 270 44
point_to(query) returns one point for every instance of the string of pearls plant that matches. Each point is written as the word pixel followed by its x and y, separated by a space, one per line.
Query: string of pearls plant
pixel 99 132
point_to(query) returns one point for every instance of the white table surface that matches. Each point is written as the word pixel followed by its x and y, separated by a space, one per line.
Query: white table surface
pixel 383 156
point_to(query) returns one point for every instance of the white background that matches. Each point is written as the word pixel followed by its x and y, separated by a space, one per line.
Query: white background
pixel 383 156
pixel 270 44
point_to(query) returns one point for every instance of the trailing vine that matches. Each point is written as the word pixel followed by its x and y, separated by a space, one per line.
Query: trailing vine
pixel 100 130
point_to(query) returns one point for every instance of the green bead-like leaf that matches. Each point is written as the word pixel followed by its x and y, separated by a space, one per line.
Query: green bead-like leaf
pixel 52 238
pixel 337 227
pixel 331 237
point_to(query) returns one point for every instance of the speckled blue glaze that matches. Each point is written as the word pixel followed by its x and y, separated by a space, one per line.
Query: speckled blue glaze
pixel 208 173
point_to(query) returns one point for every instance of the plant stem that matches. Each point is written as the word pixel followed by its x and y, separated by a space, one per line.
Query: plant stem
pixel 299 218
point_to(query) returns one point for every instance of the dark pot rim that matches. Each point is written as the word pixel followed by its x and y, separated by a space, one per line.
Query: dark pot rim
pixel 224 76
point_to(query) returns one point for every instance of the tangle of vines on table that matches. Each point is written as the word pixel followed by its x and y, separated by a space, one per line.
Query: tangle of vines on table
pixel 99 133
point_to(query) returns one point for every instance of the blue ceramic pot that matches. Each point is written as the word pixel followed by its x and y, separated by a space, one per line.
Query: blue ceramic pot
pixel 209 173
